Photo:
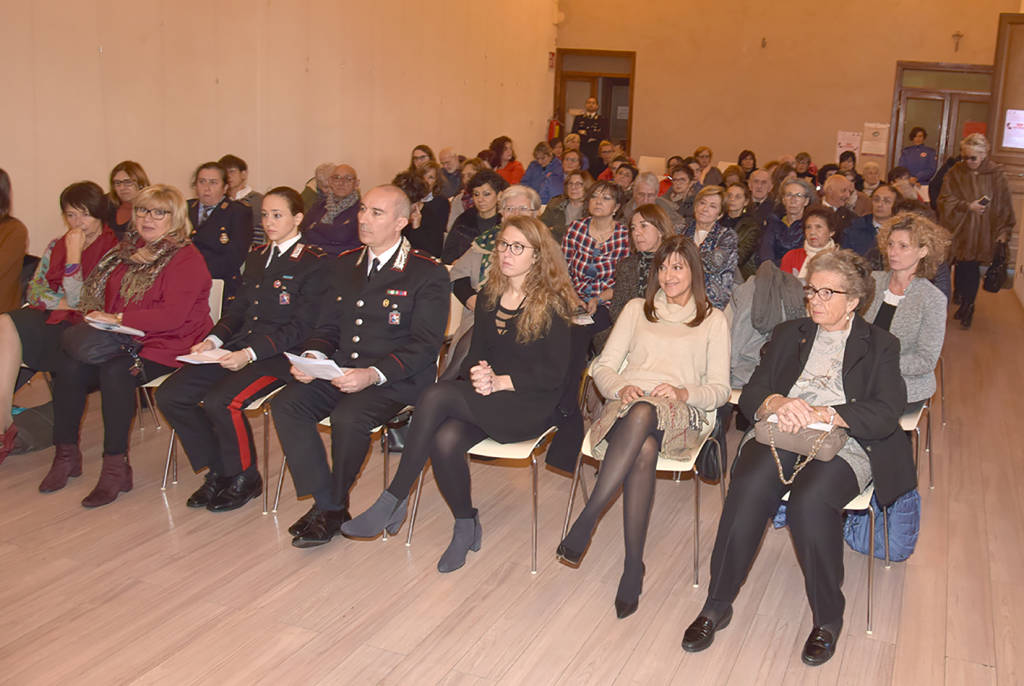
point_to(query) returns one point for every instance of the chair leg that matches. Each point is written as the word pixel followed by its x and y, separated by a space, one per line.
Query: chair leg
pixel 167 465
pixel 280 482
pixel 942 391
pixel 696 530
pixel 871 562
pixel 266 456
pixel 415 507
pixel 885 535
pixel 928 449
pixel 152 408
pixel 174 463
pixel 387 454
pixel 533 559
pixel 572 495
pixel 917 447
pixel 677 476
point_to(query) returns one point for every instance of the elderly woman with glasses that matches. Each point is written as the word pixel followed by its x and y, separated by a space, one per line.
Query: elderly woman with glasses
pixel 975 205
pixel 563 210
pixel 783 234
pixel 832 368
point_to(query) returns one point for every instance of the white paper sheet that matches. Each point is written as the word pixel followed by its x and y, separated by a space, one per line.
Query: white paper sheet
pixel 206 357
pixel 318 369
pixel 114 328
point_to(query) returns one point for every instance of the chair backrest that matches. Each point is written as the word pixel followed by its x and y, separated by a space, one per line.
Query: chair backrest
pixel 454 317
pixel 28 269
pixel 655 165
pixel 216 297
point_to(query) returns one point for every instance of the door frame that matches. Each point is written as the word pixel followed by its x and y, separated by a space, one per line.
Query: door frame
pixel 897 139
pixel 561 75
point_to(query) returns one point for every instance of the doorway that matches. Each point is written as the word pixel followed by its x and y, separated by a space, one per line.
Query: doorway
pixel 603 74
pixel 948 101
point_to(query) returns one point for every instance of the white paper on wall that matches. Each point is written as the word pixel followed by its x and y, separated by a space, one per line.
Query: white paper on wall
pixel 847 140
pixel 875 140
pixel 1013 133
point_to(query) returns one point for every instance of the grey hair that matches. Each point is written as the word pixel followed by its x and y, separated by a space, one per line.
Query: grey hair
pixel 805 185
pixel 647 178
pixel 976 140
pixel 852 269
pixel 519 189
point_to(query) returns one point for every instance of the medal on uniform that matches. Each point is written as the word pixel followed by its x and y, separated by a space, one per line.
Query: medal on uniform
pixel 386 302
pixel 284 298
pixel 277 283
pixel 394 318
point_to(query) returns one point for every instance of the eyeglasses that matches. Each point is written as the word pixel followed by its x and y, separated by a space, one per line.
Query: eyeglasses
pixel 123 183
pixel 824 294
pixel 791 196
pixel 973 158
pixel 514 248
pixel 575 184
pixel 518 210
pixel 421 157
pixel 346 178
pixel 157 212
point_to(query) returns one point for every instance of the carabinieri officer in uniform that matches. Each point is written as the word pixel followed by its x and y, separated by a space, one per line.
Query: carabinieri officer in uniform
pixel 274 311
pixel 384 319
pixel 221 228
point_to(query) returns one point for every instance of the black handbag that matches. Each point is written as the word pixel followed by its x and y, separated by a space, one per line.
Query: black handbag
pixel 95 346
pixel 995 277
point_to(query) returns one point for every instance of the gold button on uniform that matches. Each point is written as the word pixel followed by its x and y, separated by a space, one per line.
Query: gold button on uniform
pixel 354 356
pixel 355 339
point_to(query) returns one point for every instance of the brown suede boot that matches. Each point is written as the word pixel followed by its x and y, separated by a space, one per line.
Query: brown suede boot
pixel 115 477
pixel 67 461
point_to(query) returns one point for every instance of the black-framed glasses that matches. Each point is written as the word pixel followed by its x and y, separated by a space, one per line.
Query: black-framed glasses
pixel 825 294
pixel 125 183
pixel 157 212
pixel 514 248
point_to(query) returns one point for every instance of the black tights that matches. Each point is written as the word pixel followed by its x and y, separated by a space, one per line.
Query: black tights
pixel 966 279
pixel 629 463
pixel 443 430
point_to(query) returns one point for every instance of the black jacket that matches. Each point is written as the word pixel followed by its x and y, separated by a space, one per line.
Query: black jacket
pixel 275 310
pixel 875 394
pixel 223 239
pixel 395 322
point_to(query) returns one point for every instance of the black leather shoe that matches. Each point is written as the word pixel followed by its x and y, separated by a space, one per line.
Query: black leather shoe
pixel 819 648
pixel 701 633
pixel 322 527
pixel 967 317
pixel 568 555
pixel 300 525
pixel 239 490
pixel 624 607
pixel 213 485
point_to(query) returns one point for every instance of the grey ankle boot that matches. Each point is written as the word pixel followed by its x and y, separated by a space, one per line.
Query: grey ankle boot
pixel 465 537
pixel 387 513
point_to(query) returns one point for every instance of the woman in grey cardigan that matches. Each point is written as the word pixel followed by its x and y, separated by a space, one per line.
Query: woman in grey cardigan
pixel 906 303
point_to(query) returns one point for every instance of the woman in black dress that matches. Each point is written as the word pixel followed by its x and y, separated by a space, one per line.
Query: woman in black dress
pixel 509 391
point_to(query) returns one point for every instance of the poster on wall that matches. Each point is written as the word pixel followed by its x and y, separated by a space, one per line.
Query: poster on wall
pixel 876 137
pixel 1013 134
pixel 847 140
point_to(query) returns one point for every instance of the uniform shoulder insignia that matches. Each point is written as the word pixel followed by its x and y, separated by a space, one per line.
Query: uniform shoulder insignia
pixel 224 205
pixel 315 251
pixel 425 256
pixel 349 252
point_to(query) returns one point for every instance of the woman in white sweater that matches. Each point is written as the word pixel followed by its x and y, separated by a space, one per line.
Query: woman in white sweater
pixel 664 370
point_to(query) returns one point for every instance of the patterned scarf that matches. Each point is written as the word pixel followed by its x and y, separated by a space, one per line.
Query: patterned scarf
pixel 336 206
pixel 485 243
pixel 645 259
pixel 138 278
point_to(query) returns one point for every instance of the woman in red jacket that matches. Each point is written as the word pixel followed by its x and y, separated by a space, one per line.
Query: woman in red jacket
pixel 155 280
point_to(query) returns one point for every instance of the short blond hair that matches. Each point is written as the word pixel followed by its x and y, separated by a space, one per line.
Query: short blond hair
pixel 162 196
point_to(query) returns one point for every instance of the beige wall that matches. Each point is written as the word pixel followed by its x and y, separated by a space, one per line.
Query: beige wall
pixel 284 84
pixel 702 76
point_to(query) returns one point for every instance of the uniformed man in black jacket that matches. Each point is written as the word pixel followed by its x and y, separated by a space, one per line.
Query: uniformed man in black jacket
pixel 383 321
pixel 221 228
pixel 592 129
pixel 274 311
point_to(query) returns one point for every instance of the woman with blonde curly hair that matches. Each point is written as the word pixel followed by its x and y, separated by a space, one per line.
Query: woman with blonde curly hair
pixel 509 388
pixel 906 303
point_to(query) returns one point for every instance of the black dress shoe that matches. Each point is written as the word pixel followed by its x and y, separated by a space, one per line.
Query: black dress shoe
pixel 239 490
pixel 568 555
pixel 624 607
pixel 967 317
pixel 213 485
pixel 819 647
pixel 701 633
pixel 322 527
pixel 300 525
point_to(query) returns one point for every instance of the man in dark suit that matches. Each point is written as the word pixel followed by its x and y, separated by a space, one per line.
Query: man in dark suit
pixel 275 311
pixel 221 228
pixel 592 129
pixel 383 321
pixel 835 194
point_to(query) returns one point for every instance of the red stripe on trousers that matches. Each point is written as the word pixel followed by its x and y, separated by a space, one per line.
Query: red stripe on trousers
pixel 238 417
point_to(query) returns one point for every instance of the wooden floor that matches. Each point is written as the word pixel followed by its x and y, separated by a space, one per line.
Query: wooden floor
pixel 149 591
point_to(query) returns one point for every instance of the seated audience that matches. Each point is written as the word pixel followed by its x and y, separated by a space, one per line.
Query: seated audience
pixel 762 202
pixel 812 371
pixel 907 304
pixel 664 370
pixel 747 162
pixel 593 246
pixel 221 228
pixel 707 173
pixel 240 190
pixel 819 236
pixel 511 384
pixel 740 218
pixel 572 160
pixel 156 281
pixel 545 174
pixel 274 311
pixel 907 185
pixel 317 187
pixel 419 156
pixel 126 180
pixel 434 208
pixel 919 159
pixel 565 209
pixel 848 163
pixel 13 246
pixel 32 334
pixel 450 172
pixel 572 144
pixel 665 182
pixel 463 200
pixel 872 172
pixel 389 351
pixel 716 244
pixel 648 229
pixel 733 174
pixel 835 194
pixel 332 223
pixel 477 220
pixel 803 167
pixel 645 192
pixel 625 175
pixel 860 235
pixel 682 192
pixel 600 164
pixel 609 172
pixel 825 172
pixel 780 235
pixel 557 148
pixel 504 160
